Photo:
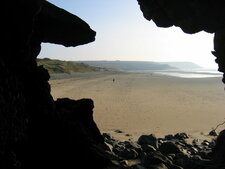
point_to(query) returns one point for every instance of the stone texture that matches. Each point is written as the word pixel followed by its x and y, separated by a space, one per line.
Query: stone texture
pixel 173 153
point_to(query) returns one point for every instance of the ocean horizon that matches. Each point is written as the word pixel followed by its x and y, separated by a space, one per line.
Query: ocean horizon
pixel 191 73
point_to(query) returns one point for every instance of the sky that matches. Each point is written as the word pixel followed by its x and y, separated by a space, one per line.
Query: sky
pixel 124 34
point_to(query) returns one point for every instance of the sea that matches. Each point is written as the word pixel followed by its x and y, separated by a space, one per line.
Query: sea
pixel 191 73
pixel 194 73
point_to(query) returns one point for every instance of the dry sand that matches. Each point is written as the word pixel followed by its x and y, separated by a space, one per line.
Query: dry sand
pixel 140 103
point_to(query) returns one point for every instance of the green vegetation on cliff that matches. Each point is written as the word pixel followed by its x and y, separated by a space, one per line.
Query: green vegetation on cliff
pixel 59 66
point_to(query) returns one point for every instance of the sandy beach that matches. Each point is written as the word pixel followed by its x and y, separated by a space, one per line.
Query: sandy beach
pixel 144 103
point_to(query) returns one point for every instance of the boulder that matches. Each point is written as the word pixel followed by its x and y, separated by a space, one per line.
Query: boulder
pixel 109 139
pixel 148 140
pixel 181 136
pixel 155 159
pixel 128 152
pixel 169 137
pixel 169 148
pixel 213 133
pixel 148 148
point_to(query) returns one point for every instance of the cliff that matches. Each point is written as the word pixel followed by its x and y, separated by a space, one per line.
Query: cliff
pixel 58 66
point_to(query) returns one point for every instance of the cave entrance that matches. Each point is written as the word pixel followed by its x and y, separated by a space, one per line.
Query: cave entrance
pixel 142 100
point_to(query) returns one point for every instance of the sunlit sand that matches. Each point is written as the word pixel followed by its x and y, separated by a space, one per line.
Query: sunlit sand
pixel 141 103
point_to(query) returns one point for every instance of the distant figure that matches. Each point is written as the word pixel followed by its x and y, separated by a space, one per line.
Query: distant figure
pixel 113 80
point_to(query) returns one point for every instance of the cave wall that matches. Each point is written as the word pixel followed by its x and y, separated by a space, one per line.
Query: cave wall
pixel 191 16
pixel 35 130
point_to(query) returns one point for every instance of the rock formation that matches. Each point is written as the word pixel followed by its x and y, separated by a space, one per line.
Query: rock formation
pixel 178 151
pixel 55 25
pixel 191 16
pixel 36 131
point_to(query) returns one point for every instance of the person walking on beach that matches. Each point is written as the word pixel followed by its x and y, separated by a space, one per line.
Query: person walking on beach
pixel 113 80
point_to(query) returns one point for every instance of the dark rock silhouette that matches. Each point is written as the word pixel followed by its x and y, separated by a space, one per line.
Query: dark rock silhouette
pixel 55 25
pixel 36 131
pixel 219 53
pixel 219 149
pixel 191 16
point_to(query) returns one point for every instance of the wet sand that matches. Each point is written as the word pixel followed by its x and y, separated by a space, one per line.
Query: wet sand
pixel 144 103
